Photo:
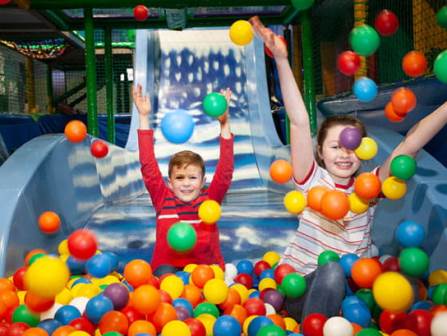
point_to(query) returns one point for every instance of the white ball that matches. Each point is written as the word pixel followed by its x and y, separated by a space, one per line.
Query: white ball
pixel 230 271
pixel 338 326
pixel 439 324
pixel 269 309
pixel 49 314
pixel 80 302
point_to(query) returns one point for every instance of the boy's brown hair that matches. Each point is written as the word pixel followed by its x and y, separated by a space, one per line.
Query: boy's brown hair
pixel 184 159
pixel 332 121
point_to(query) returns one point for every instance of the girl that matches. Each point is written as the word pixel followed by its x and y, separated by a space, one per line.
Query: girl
pixel 334 167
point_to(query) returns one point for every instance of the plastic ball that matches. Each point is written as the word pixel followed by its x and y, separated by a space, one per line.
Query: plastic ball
pixel 49 222
pixel 227 325
pixel 99 149
pixel 38 304
pixel 241 32
pixel 176 328
pixel 140 12
pixel 391 115
pixel 334 204
pixel 439 296
pixel 364 40
pixel 315 195
pixel 327 257
pixel 173 285
pixel 209 212
pixel 302 4
pixel 313 324
pixel 437 277
pixel 414 64
pixel 177 126
pixel 438 324
pixel 75 131
pixel 403 100
pixel 441 17
pixel 137 272
pixel 338 326
pixel 365 271
pixel 356 204
pixel 140 327
pixel 181 237
pixel 99 265
pixel 201 275
pixel 66 314
pixel 146 299
pixel 365 89
pixel 393 292
pixel 257 323
pixel 214 104
pixel 271 257
pixel 244 266
pixel 23 314
pixel 440 67
pixel 4 2
pixel 118 294
pixel 347 261
pixel 348 62
pixel 403 167
pixel 394 188
pixel 82 244
pixel 391 264
pixel 294 285
pixel 114 321
pixel 281 171
pixel 413 261
pixel 386 23
pixel 197 328
pixel 273 297
pixel 262 265
pixel 367 149
pixel 97 307
pixel 295 202
pixel 49 325
pixel 46 277
pixel 350 137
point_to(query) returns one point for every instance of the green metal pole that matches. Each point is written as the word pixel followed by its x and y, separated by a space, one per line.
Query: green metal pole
pixel 50 94
pixel 90 62
pixel 108 64
pixel 309 84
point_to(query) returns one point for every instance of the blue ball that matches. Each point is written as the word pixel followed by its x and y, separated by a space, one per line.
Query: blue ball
pixel 257 323
pixel 346 261
pixel 268 273
pixel 99 265
pixel 184 276
pixel 254 294
pixel 177 126
pixel 244 266
pixel 357 313
pixel 113 259
pixel 97 306
pixel 49 325
pixel 66 314
pixel 410 234
pixel 76 266
pixel 80 281
pixel 365 89
pixel 424 305
pixel 353 299
pixel 180 302
pixel 227 325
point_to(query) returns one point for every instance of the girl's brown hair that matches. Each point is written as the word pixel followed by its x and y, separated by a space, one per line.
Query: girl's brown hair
pixel 184 159
pixel 332 121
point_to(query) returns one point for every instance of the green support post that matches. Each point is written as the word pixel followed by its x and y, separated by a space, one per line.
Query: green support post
pixel 108 65
pixel 90 61
pixel 309 84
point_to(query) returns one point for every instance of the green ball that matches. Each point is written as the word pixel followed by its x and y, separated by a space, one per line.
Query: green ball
pixel 403 167
pixel 413 262
pixel 23 314
pixel 302 4
pixel 182 237
pixel 364 40
pixel 271 330
pixel 440 294
pixel 441 17
pixel 112 333
pixel 369 332
pixel 35 257
pixel 366 296
pixel 214 104
pixel 440 67
pixel 327 257
pixel 206 308
pixel 294 285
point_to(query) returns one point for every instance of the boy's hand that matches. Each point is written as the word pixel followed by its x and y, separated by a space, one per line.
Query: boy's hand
pixel 224 119
pixel 141 101
pixel 271 40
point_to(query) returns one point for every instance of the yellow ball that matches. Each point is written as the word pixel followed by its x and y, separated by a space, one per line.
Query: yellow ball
pixel 356 204
pixel 242 290
pixel 367 149
pixel 176 328
pixel 86 290
pixel 218 272
pixel 295 202
pixel 189 268
pixel 437 277
pixel 291 324
pixel 79 333
pixel 208 322
pixel 64 297
pixel 241 32
pixel 266 283
pixel 215 291
pixel 393 292
pixel 63 247
pixel 209 212
pixel 21 296
pixel 46 277
pixel 271 257
pixel 173 285
pixel 394 188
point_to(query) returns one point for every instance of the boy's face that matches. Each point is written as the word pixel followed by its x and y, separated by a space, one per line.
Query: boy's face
pixel 186 182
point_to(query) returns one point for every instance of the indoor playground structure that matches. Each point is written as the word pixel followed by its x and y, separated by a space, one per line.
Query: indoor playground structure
pixel 78 229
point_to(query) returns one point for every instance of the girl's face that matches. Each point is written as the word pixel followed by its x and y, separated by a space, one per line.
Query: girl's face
pixel 340 162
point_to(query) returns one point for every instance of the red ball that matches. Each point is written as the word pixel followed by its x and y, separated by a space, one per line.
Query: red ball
pixel 391 265
pixel 414 63
pixel 4 2
pixel 419 321
pixel 82 244
pixel 4 327
pixel 390 322
pixel 348 62
pixel 82 323
pixel 313 324
pixel 140 12
pixel 197 328
pixel 281 271
pixel 17 278
pixel 254 306
pixel 17 329
pixel 391 115
pixel 99 149
pixel 268 52
pixel 113 321
pixel 260 267
pixel 244 279
pixel 132 314
pixel 386 23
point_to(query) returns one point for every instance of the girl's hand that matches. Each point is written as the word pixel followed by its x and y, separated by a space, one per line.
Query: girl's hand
pixel 271 40
pixel 141 101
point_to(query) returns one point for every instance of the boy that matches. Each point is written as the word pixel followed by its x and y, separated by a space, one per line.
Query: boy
pixel 180 199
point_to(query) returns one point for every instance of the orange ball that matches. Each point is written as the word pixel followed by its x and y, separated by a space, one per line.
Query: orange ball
pixel 334 205
pixel 75 131
pixel 114 321
pixel 201 274
pixel 32 253
pixel 367 186
pixel 163 314
pixel 278 320
pixel 35 332
pixel 49 222
pixel 365 271
pixel 281 171
pixel 238 312
pixel 232 299
pixel 146 299
pixel 314 197
pixel 6 285
pixel 414 64
pixel 10 299
pixel 403 332
pixel 391 115
pixel 36 303
pixel 141 327
pixel 63 330
pixel 403 100
pixel 137 272
pixel 192 294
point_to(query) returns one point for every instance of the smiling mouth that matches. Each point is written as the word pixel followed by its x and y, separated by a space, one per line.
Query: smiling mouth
pixel 344 165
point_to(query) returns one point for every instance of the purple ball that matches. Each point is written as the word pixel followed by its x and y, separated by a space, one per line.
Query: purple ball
pixel 350 137
pixel 274 298
pixel 118 294
pixel 182 313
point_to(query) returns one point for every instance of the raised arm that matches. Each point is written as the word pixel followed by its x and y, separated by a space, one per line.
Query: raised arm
pixel 300 135
pixel 417 137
